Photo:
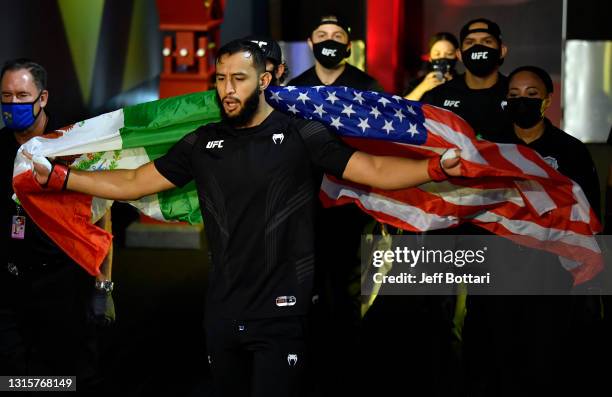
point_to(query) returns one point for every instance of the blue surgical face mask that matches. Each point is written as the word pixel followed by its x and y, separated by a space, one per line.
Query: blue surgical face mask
pixel 19 116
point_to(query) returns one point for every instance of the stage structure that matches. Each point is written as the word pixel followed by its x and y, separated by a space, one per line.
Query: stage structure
pixel 191 36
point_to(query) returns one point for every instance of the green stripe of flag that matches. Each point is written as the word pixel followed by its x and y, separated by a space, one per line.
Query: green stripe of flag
pixel 159 124
pixel 156 126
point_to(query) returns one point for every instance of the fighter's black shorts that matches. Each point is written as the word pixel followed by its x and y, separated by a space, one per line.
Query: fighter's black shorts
pixel 264 357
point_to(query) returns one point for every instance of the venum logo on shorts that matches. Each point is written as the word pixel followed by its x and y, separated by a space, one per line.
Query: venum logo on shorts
pixel 292 359
pixel 278 138
pixel 283 301
pixel 214 144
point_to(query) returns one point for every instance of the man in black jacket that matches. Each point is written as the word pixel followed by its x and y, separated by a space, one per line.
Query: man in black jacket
pixel 330 44
pixel 49 305
pixel 479 95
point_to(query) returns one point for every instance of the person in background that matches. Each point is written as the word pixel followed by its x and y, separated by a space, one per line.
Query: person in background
pixel 520 343
pixel 49 305
pixel 479 95
pixel 529 96
pixel 275 63
pixel 440 66
pixel 331 46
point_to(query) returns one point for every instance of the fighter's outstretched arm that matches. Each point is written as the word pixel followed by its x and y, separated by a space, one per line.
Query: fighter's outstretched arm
pixel 390 173
pixel 114 185
pixel 119 184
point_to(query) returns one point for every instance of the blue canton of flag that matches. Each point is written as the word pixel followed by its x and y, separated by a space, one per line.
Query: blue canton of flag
pixel 354 113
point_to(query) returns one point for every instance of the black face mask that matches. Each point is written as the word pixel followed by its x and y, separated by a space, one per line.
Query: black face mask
pixel 330 53
pixel 525 112
pixel 444 65
pixel 481 60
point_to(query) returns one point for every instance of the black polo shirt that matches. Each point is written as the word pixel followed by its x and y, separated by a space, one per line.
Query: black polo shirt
pixel 483 109
pixel 257 189
pixel 350 77
pixel 36 247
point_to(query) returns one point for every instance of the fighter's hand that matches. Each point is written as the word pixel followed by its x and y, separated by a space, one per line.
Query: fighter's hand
pixel 442 167
pixel 42 167
pixel 451 162
pixel 53 177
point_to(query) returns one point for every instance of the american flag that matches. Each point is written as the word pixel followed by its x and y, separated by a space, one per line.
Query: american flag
pixel 507 189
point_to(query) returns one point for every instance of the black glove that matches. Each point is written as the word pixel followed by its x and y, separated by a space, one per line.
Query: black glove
pixel 101 309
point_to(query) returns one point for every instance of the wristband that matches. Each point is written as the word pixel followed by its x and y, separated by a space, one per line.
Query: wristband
pixel 58 178
pixel 435 169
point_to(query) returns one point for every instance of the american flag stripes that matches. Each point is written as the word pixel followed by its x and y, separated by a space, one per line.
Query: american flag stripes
pixel 507 189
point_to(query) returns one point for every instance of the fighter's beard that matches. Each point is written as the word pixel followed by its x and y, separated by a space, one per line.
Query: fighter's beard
pixel 246 114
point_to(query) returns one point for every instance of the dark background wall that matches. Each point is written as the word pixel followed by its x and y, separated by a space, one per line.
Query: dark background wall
pixel 531 28
pixel 34 29
pixel 589 20
pixel 298 17
pixel 93 50
pixel 91 63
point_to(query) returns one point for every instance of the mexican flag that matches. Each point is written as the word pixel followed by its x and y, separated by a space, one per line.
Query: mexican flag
pixel 123 139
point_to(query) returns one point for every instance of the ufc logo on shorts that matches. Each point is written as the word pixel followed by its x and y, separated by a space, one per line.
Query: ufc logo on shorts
pixel 480 55
pixel 214 144
pixel 451 104
pixel 329 52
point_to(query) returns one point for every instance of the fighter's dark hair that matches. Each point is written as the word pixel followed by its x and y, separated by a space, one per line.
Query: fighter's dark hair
pixel 257 56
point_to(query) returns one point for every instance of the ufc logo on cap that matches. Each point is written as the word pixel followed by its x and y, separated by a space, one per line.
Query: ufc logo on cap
pixel 480 55
pixel 451 104
pixel 329 52
pixel 214 144
pixel 261 44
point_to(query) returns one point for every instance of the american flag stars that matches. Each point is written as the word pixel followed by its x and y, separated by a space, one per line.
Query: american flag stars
pixel 350 112
pixel 319 110
pixel 363 124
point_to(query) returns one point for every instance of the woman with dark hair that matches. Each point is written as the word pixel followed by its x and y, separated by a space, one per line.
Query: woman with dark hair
pixel 440 66
pixel 529 95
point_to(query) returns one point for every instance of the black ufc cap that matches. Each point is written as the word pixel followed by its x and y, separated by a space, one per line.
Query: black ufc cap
pixel 492 29
pixel 334 20
pixel 269 47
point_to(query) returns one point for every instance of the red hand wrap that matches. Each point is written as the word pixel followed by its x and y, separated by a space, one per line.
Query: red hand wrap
pixel 435 170
pixel 58 178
